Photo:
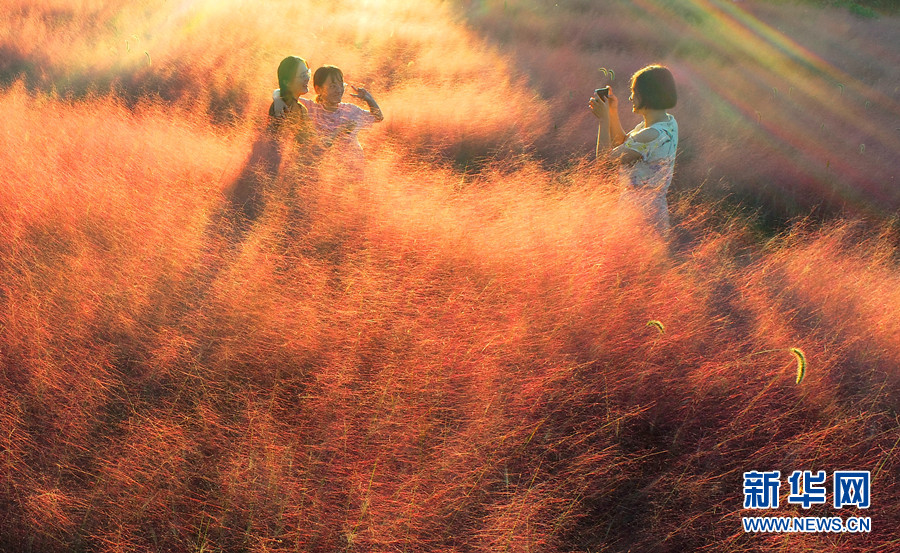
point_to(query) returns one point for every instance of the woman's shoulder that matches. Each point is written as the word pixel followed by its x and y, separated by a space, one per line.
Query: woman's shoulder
pixel 645 135
pixel 669 128
pixel 670 124
pixel 347 107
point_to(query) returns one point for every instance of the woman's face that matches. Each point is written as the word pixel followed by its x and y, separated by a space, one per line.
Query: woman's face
pixel 299 85
pixel 332 90
pixel 635 101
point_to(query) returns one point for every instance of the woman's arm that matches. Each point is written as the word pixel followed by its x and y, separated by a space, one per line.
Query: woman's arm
pixel 624 155
pixel 278 104
pixel 366 96
pixel 610 132
pixel 616 132
pixel 600 108
pixel 629 153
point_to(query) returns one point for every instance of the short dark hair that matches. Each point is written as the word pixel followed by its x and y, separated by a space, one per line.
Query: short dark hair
pixel 655 88
pixel 321 75
pixel 287 70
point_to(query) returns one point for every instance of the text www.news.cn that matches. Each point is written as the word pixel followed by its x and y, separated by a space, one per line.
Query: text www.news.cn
pixel 807 524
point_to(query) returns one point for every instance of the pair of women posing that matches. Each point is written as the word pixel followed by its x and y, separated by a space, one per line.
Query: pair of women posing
pixel 336 123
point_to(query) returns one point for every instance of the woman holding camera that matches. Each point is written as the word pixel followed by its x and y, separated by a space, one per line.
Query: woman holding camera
pixel 646 154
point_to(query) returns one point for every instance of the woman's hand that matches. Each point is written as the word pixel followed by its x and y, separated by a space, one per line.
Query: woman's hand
pixel 612 101
pixel 599 107
pixel 362 94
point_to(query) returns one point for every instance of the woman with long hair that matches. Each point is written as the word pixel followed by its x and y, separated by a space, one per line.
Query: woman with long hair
pixel 293 82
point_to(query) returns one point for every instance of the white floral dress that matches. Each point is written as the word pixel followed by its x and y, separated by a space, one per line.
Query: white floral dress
pixel 646 182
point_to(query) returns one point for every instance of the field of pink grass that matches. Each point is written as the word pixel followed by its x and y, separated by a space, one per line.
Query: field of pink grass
pixel 784 106
pixel 451 353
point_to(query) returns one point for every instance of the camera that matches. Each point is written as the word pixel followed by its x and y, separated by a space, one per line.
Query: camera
pixel 602 92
